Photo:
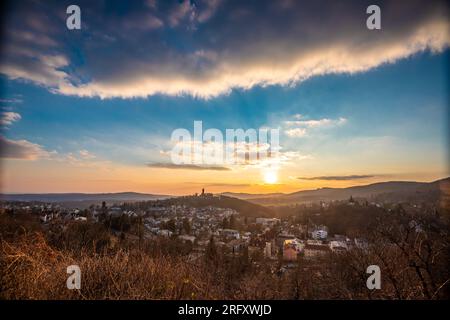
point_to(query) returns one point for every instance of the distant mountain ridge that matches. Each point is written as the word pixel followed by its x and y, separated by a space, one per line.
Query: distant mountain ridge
pixel 247 196
pixel 382 191
pixel 73 197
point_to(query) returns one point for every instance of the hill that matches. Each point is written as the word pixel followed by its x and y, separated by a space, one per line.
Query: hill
pixel 82 197
pixel 391 191
pixel 246 196
pixel 244 207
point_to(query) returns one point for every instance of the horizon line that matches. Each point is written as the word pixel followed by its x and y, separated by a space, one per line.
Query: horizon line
pixel 173 195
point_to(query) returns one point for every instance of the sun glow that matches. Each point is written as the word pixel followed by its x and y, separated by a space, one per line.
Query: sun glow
pixel 270 177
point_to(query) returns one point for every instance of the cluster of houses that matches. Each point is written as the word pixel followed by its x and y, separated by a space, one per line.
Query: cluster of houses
pixel 317 244
pixel 311 248
pixel 46 212
pixel 203 222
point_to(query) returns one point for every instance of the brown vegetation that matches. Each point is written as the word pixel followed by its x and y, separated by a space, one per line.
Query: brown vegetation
pixel 413 259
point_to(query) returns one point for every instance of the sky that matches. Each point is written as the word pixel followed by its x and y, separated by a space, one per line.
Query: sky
pixel 93 110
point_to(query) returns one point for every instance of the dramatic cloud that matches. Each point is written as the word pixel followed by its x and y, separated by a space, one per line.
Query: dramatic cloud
pixel 7 118
pixel 338 178
pixel 186 166
pixel 207 48
pixel 21 149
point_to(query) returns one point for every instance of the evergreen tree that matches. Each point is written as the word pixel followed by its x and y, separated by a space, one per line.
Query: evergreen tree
pixel 186 226
pixel 211 254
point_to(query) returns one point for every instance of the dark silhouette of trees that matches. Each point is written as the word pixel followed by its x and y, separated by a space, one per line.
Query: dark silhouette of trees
pixel 211 254
pixel 171 225
pixel 186 226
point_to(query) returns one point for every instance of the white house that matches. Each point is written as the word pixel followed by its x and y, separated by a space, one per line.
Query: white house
pixel 186 238
pixel 319 234
pixel 313 251
pixel 267 221
pixel 165 233
pixel 338 246
pixel 230 233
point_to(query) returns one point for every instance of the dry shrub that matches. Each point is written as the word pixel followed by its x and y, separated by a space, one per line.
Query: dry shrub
pixel 31 269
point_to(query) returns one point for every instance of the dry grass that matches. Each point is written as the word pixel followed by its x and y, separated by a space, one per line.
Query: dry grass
pixel 31 269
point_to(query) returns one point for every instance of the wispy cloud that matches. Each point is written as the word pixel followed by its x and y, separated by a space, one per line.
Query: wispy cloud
pixel 85 154
pixel 82 159
pixel 300 127
pixel 27 150
pixel 7 118
pixel 180 11
pixel 220 184
pixel 339 178
pixel 143 22
pixel 325 122
pixel 21 150
pixel 296 132
pixel 12 100
pixel 186 166
pixel 192 13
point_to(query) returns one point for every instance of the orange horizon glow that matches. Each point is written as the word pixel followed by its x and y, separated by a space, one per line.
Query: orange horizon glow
pixel 50 177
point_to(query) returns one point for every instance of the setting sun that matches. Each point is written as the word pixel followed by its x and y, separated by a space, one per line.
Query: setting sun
pixel 270 177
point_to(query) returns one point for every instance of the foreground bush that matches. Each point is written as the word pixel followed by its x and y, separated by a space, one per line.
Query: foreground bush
pixel 31 269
